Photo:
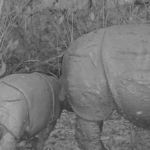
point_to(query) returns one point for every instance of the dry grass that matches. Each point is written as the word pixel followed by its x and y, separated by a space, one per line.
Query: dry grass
pixel 34 36
pixel 118 134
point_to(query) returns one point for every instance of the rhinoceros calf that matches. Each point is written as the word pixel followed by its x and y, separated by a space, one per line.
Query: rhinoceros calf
pixel 29 105
pixel 105 70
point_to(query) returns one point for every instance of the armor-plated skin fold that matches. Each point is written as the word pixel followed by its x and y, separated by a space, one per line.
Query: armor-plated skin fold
pixel 104 70
pixel 28 104
pixel 127 67
pixel 85 79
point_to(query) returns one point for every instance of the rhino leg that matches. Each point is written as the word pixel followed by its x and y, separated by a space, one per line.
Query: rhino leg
pixel 38 141
pixel 8 142
pixel 88 134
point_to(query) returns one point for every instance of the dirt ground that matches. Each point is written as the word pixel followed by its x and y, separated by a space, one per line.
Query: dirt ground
pixel 118 134
pixel 35 37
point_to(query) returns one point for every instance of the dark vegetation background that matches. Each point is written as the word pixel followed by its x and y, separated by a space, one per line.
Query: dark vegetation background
pixel 33 37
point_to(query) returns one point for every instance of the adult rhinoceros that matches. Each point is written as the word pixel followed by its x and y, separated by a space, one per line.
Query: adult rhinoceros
pixel 29 105
pixel 105 70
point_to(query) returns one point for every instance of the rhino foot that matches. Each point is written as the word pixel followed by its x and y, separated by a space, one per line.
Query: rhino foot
pixel 88 134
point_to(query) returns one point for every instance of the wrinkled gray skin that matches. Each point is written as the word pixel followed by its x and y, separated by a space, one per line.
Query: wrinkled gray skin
pixel 105 70
pixel 29 106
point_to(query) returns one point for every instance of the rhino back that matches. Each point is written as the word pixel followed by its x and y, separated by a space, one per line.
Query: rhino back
pixel 39 93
